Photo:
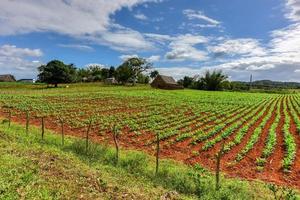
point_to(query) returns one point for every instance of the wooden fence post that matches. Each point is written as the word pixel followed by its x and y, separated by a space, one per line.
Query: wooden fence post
pixel 27 121
pixel 62 132
pixel 87 136
pixel 157 153
pixel 218 158
pixel 9 118
pixel 43 127
pixel 115 136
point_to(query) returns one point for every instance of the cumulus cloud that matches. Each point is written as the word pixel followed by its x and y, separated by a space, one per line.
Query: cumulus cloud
pixel 179 72
pixel 153 58
pixel 13 51
pixel 89 19
pixel 183 48
pixel 293 7
pixel 233 47
pixel 123 40
pixel 286 39
pixel 126 57
pixel 17 61
pixel 193 14
pixel 279 59
pixel 261 67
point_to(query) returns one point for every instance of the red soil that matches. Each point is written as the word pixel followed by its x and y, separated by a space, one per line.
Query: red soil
pixel 248 163
pixel 181 151
pixel 295 168
pixel 273 169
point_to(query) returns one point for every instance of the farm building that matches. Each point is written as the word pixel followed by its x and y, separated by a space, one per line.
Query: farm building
pixel 165 82
pixel 7 78
pixel 110 81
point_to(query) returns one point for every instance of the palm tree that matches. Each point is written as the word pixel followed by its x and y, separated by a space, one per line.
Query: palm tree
pixel 213 81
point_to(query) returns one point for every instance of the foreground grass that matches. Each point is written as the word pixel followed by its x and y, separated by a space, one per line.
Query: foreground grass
pixel 34 169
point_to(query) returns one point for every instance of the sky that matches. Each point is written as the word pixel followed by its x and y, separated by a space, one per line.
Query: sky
pixel 180 37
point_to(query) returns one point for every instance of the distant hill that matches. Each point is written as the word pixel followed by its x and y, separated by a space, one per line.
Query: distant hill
pixel 268 84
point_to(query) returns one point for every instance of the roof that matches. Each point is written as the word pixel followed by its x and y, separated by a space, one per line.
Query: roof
pixel 168 79
pixel 7 78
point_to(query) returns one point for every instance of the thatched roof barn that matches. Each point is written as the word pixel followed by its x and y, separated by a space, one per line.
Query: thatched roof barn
pixel 165 82
pixel 7 78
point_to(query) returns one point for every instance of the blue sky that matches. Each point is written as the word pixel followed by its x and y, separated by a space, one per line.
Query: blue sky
pixel 180 37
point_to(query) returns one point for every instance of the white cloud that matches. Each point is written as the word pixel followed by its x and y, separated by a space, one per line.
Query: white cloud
pixel 286 39
pixel 159 38
pixel 293 7
pixel 13 51
pixel 203 25
pixel 89 19
pixel 126 57
pixel 183 48
pixel 279 59
pixel 153 58
pixel 94 65
pixel 16 61
pixel 193 14
pixel 242 46
pixel 77 46
pixel 123 40
pixel 140 16
pixel 180 72
pixel 261 67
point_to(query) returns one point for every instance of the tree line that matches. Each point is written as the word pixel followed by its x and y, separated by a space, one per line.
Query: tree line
pixel 130 71
pixel 133 70
pixel 215 80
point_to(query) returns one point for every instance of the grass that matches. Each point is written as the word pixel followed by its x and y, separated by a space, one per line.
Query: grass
pixel 31 168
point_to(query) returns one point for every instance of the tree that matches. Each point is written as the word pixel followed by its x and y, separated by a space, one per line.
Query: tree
pixel 186 81
pixel 95 72
pixel 83 75
pixel 143 79
pixel 56 72
pixel 112 72
pixel 124 74
pixel 213 81
pixel 104 73
pixel 154 74
pixel 136 66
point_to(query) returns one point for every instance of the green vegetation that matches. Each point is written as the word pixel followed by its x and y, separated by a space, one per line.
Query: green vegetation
pixel 272 138
pixel 215 80
pixel 289 141
pixel 56 72
pixel 32 168
pixel 186 125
